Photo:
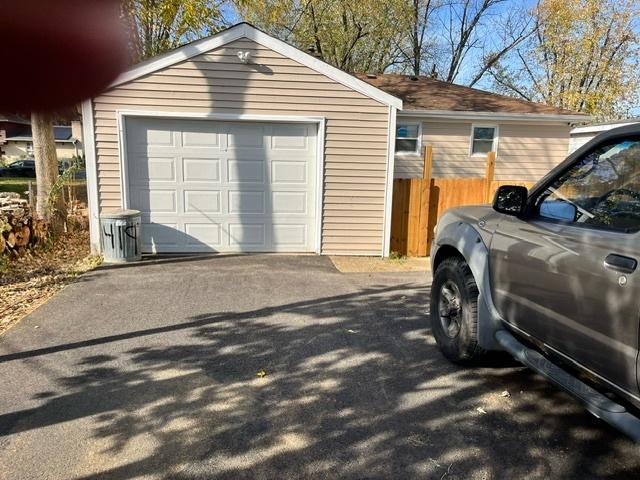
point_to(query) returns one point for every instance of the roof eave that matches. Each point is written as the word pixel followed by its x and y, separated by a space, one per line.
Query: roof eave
pixel 245 30
pixel 458 115
pixel 600 128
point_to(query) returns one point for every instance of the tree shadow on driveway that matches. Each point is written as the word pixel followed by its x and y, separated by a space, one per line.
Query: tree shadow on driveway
pixel 354 388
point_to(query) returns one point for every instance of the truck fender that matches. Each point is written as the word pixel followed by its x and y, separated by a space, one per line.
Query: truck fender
pixel 468 242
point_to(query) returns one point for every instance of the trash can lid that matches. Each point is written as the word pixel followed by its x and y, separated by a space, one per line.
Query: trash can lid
pixel 120 214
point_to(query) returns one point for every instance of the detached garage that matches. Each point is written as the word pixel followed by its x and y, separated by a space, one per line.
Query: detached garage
pixel 239 143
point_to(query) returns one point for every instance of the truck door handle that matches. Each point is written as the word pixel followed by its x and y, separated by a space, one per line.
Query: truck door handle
pixel 620 263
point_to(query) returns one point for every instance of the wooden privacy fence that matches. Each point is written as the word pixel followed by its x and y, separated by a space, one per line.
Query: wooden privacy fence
pixel 419 202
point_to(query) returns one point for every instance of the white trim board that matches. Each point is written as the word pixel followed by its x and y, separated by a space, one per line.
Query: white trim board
pixel 598 128
pixel 93 201
pixel 121 116
pixel 388 192
pixel 245 30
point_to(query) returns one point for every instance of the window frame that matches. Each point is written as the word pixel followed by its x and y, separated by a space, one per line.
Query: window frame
pixel 494 145
pixel 418 143
pixel 532 210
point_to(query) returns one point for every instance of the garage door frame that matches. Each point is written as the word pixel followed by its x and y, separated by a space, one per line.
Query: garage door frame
pixel 122 115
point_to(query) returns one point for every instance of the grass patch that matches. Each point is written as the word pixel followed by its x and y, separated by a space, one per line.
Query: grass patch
pixel 397 257
pixel 17 185
pixel 20 185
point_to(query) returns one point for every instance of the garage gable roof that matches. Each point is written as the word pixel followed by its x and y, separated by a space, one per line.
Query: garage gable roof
pixel 246 30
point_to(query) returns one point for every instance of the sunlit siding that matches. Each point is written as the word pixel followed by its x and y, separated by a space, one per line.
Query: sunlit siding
pixel 525 151
pixel 216 82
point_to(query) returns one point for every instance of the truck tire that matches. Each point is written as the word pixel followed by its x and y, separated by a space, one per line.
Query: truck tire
pixel 454 311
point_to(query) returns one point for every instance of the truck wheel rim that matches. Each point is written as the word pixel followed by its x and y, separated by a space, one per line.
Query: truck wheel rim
pixel 450 308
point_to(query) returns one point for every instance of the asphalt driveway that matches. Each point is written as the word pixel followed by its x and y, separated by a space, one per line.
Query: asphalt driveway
pixel 151 371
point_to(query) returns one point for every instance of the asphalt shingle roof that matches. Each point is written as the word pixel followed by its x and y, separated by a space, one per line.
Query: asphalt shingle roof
pixel 426 93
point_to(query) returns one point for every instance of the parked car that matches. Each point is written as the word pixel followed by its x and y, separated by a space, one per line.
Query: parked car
pixel 19 168
pixel 550 275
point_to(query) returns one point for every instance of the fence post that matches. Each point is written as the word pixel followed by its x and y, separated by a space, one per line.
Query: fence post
pixel 491 167
pixel 423 222
pixel 428 161
pixel 32 203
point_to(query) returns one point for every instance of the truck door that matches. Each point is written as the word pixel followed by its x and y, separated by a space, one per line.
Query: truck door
pixel 567 273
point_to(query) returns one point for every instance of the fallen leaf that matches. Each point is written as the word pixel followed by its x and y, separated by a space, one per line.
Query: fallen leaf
pixel 481 410
pixel 505 394
pixel 261 373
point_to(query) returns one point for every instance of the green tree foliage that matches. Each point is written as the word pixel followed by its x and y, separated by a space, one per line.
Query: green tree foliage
pixel 583 56
pixel 356 36
pixel 156 26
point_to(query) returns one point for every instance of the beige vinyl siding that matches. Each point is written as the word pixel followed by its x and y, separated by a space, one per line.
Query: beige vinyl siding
pixel 16 150
pixel 528 152
pixel 217 82
pixel 525 151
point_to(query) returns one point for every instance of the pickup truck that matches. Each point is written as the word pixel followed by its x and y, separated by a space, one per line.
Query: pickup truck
pixel 550 276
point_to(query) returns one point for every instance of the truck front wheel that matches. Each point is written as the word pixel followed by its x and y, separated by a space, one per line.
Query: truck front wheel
pixel 454 311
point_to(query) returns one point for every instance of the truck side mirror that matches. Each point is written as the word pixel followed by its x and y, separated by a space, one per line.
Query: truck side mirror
pixel 510 200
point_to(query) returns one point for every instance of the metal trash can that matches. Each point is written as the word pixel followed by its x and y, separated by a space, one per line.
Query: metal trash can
pixel 120 236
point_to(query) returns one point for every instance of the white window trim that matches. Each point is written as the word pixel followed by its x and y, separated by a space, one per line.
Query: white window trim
pixel 494 147
pixel 418 150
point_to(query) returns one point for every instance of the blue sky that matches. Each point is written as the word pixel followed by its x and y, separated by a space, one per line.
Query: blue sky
pixel 231 16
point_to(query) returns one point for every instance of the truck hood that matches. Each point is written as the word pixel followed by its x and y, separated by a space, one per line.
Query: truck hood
pixel 483 218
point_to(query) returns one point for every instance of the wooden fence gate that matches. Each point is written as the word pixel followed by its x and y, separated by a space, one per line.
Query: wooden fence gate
pixel 419 202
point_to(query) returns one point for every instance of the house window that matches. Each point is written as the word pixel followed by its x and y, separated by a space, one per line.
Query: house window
pixel 483 139
pixel 408 138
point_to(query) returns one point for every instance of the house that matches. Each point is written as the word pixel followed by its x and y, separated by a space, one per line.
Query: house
pixel 463 124
pixel 10 125
pixel 241 142
pixel 16 141
pixel 582 134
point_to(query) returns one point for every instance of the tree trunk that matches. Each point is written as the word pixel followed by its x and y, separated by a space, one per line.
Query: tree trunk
pixel 44 149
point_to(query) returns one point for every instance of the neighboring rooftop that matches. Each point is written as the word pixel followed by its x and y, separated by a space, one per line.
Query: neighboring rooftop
pixel 12 118
pixel 426 93
pixel 604 126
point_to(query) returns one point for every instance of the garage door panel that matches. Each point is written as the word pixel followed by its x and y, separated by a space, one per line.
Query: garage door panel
pixel 202 201
pixel 245 171
pixel 244 202
pixel 140 135
pixel 158 201
pixel 201 170
pixel 145 168
pixel 290 235
pixel 288 172
pixel 222 186
pixel 246 136
pixel 289 202
pixel 204 234
pixel 247 235
pixel 200 134
pixel 290 137
pixel 155 235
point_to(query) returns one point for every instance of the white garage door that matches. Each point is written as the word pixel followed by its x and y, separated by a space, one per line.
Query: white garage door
pixel 222 186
